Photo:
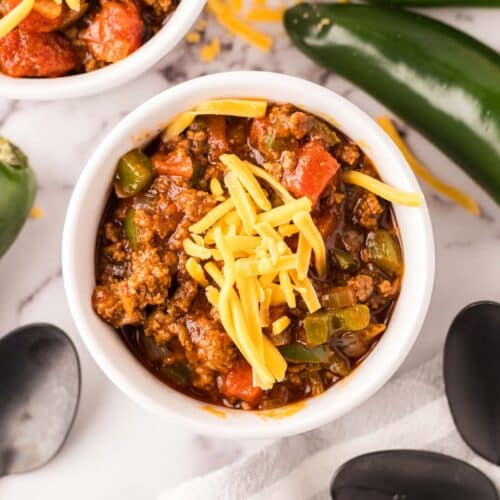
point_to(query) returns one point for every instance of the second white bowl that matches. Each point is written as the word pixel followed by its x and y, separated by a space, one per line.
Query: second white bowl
pixel 101 80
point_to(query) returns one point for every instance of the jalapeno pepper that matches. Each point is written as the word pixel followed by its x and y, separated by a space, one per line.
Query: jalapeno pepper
pixel 439 3
pixel 438 79
pixel 134 174
pixel 17 192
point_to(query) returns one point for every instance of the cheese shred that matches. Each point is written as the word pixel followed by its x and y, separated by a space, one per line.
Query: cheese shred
pixel 239 27
pixel 249 267
pixel 424 173
pixel 381 189
pixel 11 20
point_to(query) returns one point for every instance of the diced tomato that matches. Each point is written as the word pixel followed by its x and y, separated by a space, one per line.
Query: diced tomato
pixel 177 162
pixel 237 383
pixel 31 54
pixel 46 15
pixel 217 138
pixel 315 168
pixel 115 32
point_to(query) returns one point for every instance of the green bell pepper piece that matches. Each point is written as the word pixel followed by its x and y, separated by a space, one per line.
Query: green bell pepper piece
pixel 344 260
pixel 17 192
pixel 178 373
pixel 338 297
pixel 129 227
pixel 384 251
pixel 317 327
pixel 298 353
pixel 440 80
pixel 352 318
pixel 134 174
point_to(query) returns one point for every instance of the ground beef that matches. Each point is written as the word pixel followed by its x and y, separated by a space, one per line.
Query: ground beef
pixel 208 348
pixel 348 153
pixel 362 286
pixel 367 211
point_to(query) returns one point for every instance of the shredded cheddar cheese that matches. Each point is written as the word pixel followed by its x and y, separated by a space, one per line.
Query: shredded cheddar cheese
pixel 381 189
pixel 242 242
pixel 280 325
pixel 210 51
pixel 216 188
pixel 239 27
pixel 193 37
pixel 196 272
pixel 36 213
pixel 424 173
pixel 265 14
pixel 15 17
pixel 244 108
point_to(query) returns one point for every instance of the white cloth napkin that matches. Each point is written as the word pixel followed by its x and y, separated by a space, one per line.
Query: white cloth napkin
pixel 409 412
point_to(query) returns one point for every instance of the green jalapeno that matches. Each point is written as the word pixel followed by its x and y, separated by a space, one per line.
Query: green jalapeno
pixel 134 174
pixel 17 192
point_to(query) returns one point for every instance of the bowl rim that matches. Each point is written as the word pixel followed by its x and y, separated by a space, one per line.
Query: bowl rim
pixel 394 347
pixel 101 80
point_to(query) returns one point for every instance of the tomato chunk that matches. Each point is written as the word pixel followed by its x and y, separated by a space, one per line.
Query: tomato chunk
pixel 46 15
pixel 315 168
pixel 115 32
pixel 237 383
pixel 31 54
pixel 177 162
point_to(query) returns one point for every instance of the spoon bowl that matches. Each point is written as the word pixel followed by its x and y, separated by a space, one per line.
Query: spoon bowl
pixel 472 377
pixel 39 394
pixel 410 475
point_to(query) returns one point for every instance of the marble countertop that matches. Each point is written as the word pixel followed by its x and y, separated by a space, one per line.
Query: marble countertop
pixel 117 450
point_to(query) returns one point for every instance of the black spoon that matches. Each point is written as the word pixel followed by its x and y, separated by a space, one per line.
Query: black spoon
pixel 410 475
pixel 472 377
pixel 39 393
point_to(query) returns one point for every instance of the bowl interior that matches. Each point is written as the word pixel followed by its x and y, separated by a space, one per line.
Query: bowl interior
pixel 98 81
pixel 119 364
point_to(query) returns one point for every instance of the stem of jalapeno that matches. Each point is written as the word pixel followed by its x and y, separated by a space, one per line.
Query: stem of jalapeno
pixel 134 173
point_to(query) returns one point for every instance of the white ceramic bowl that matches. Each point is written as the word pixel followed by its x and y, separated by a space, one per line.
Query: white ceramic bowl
pixel 98 81
pixel 110 352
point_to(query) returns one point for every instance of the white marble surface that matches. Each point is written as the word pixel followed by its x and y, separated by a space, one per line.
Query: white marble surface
pixel 117 450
